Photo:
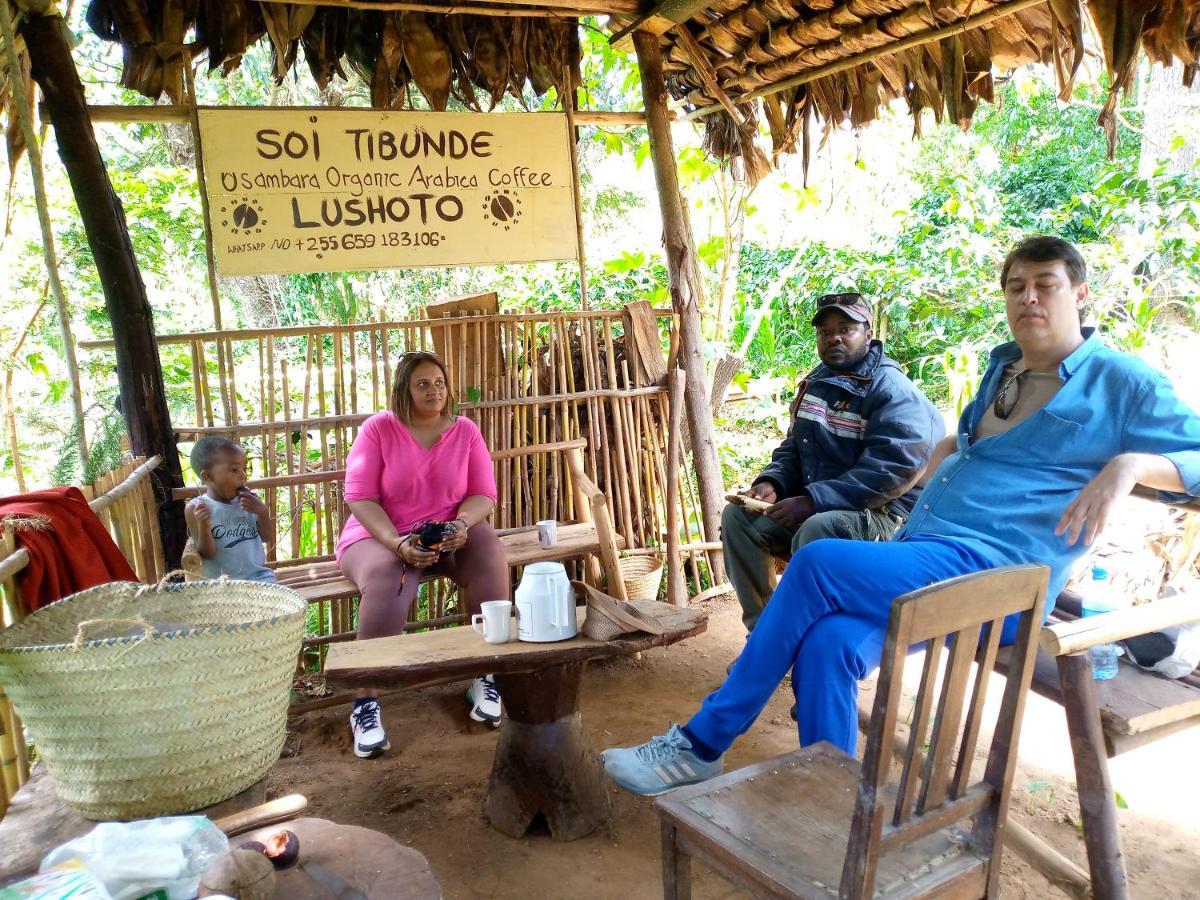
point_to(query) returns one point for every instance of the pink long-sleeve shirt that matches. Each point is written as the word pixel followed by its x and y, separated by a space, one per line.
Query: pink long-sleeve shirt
pixel 412 484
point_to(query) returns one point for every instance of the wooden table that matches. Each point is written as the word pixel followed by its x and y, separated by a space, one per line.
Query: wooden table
pixel 543 763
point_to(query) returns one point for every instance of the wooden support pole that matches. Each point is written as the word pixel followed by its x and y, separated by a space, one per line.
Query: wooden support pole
pixel 34 150
pixel 1097 809
pixel 687 290
pixel 570 103
pixel 676 585
pixel 143 398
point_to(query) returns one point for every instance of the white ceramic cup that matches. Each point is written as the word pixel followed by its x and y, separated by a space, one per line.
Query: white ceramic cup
pixel 547 533
pixel 494 620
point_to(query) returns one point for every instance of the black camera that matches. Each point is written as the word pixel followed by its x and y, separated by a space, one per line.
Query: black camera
pixel 431 534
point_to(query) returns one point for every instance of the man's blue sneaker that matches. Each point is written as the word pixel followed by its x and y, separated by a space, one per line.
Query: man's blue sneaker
pixel 660 764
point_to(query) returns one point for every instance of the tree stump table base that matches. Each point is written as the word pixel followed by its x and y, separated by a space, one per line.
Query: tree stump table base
pixel 544 764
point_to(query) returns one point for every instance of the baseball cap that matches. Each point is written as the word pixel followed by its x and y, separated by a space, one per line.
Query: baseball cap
pixel 853 304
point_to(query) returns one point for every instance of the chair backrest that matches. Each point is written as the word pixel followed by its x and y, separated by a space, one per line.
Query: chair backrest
pixel 966 616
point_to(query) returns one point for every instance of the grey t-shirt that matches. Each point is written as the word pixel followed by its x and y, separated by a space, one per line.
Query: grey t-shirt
pixel 1032 390
pixel 240 552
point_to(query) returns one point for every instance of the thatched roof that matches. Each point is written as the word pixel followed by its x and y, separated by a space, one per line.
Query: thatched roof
pixel 840 61
pixel 802 65
pixel 392 51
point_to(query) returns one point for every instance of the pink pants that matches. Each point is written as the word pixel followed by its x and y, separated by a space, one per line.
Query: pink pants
pixel 389 586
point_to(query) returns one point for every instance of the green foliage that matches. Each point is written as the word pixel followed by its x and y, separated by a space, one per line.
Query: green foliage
pixel 106 449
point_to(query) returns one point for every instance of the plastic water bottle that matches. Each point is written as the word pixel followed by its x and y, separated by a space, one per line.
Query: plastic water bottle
pixel 1101 598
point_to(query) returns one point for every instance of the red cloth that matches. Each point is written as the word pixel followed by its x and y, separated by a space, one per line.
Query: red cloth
pixel 75 552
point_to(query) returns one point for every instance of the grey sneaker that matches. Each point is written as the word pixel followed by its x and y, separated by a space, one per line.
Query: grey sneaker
pixel 485 701
pixel 369 737
pixel 660 764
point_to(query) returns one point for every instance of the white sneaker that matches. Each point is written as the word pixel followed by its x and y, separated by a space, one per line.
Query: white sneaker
pixel 369 737
pixel 485 701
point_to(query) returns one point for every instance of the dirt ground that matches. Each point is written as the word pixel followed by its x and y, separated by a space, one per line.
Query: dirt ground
pixel 428 791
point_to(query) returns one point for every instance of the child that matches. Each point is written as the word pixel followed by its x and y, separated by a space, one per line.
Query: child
pixel 228 522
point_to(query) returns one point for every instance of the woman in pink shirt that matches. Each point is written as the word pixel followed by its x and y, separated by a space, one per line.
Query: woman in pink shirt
pixel 418 462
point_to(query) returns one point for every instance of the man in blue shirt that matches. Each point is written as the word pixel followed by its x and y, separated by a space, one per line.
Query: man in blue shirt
pixel 1061 429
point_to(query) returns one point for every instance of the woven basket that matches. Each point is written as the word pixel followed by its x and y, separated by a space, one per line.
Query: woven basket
pixel 150 701
pixel 642 575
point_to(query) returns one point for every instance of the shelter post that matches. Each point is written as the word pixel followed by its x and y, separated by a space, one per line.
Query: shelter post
pixel 143 400
pixel 687 290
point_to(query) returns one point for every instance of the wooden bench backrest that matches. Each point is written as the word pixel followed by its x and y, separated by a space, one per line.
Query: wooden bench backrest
pixel 933 789
pixel 309 508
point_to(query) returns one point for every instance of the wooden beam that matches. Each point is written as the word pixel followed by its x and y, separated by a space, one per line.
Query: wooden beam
pixel 851 62
pixel 143 398
pixel 107 114
pixel 1082 634
pixel 245 334
pixel 515 8
pixel 687 291
pixel 704 68
pixel 659 20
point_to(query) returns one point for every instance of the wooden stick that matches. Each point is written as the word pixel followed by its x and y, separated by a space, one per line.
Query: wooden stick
pixel 570 102
pixel 1081 634
pixel 578 8
pixel 676 589
pixel 205 212
pixel 412 324
pixel 20 101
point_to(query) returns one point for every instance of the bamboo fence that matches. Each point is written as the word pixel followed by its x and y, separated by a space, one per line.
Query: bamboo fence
pixel 296 397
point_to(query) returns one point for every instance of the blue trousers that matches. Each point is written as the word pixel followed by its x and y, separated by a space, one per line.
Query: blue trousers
pixel 826 622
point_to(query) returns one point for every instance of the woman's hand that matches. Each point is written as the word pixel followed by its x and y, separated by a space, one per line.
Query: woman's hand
pixel 457 537
pixel 406 548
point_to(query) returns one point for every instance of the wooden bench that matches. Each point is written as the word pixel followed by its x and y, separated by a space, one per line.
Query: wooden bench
pixel 1106 719
pixel 591 538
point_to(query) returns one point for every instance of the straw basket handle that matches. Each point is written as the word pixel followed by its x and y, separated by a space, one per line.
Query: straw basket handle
pixel 139 622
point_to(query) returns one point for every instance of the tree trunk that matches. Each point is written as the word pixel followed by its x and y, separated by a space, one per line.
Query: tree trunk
pixel 143 399
pixel 687 289
pixel 1172 111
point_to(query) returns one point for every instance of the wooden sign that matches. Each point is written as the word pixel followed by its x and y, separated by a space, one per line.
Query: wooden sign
pixel 320 190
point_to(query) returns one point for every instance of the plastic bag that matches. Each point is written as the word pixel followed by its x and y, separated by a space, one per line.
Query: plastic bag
pixel 137 858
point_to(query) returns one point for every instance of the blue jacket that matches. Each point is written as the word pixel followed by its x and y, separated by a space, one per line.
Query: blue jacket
pixel 1003 496
pixel 858 440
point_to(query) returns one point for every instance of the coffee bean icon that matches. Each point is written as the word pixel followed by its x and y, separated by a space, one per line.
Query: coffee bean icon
pixel 245 216
pixel 502 208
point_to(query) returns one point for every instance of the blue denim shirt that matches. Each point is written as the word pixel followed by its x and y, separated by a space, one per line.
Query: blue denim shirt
pixel 1003 496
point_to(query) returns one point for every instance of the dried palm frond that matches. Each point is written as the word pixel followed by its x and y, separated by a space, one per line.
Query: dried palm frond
pixel 325 42
pixel 427 56
pixel 1119 24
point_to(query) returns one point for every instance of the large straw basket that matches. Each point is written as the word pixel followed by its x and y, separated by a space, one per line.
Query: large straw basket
pixel 148 701
pixel 642 575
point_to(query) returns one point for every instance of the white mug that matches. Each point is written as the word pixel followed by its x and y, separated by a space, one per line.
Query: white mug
pixel 495 621
pixel 547 533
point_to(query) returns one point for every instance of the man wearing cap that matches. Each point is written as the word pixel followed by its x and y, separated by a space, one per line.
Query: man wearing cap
pixel 860 437
pixel 1061 429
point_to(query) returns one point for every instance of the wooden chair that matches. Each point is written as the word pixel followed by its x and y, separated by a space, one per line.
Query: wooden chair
pixel 811 823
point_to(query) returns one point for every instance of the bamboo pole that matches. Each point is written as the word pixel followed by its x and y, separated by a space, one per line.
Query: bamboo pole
pixel 107 114
pixel 570 102
pixel 409 324
pixel 49 251
pixel 687 291
pixel 228 396
pixel 676 588
pixel 10 411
